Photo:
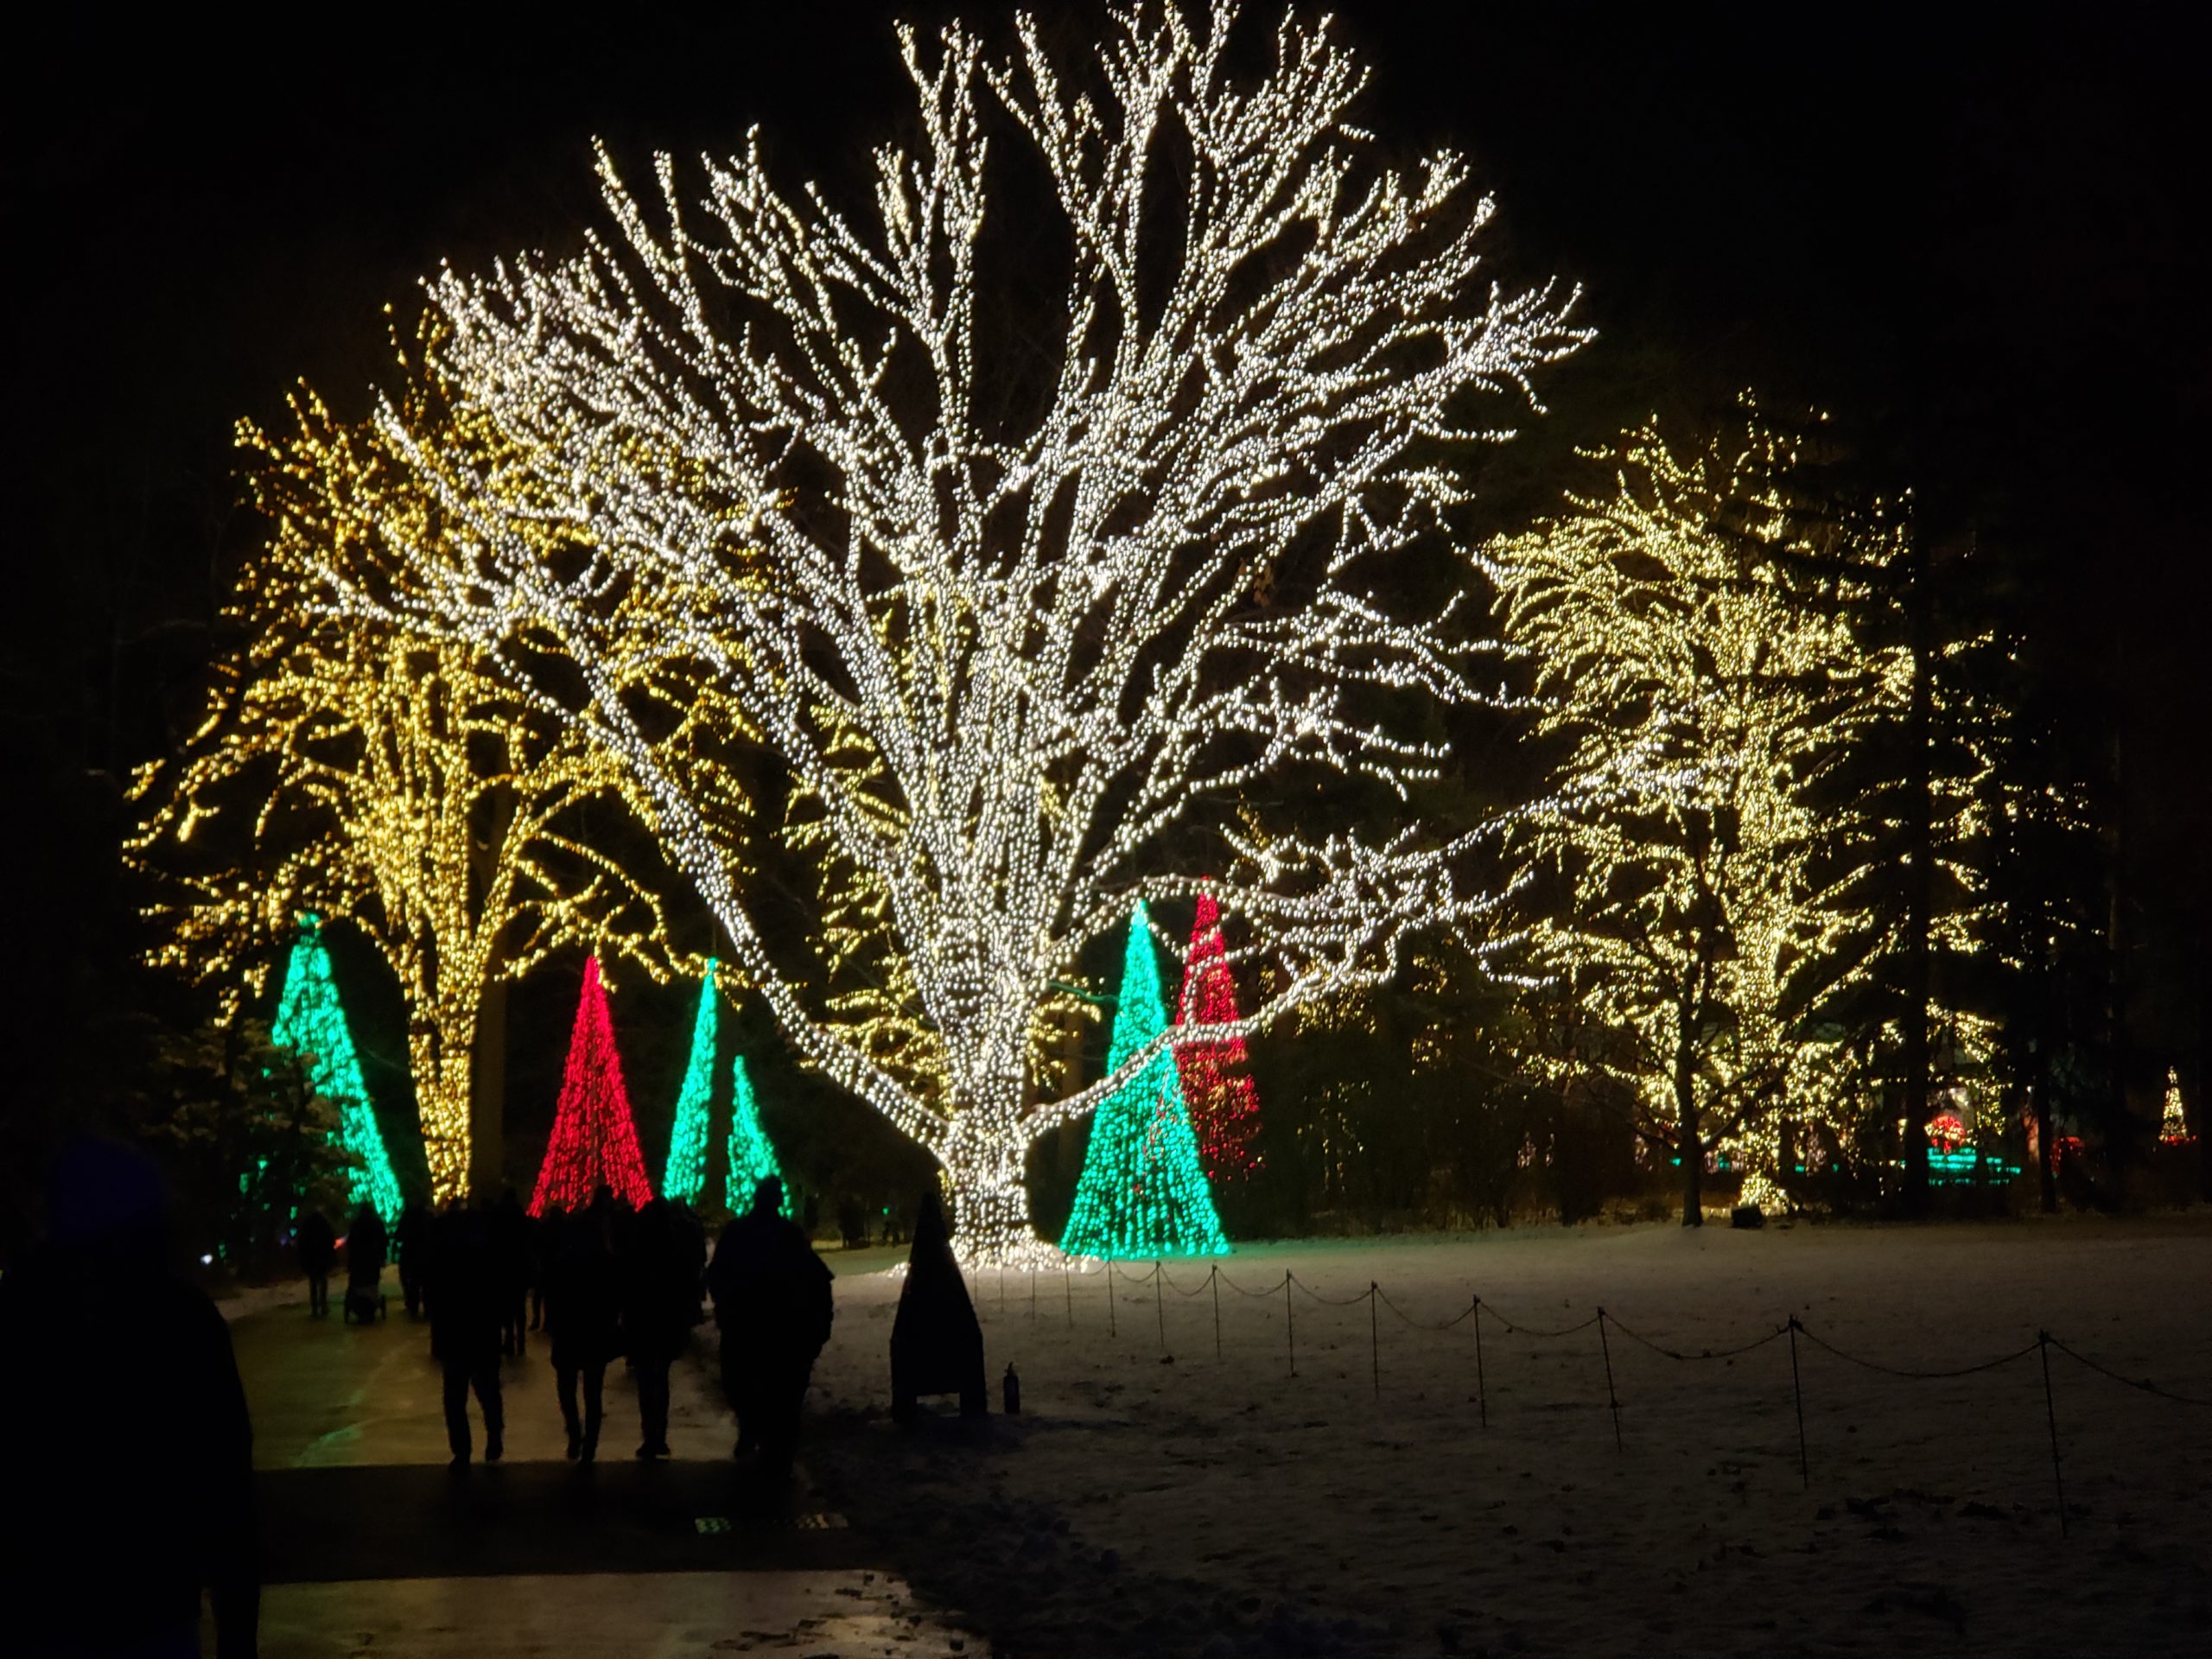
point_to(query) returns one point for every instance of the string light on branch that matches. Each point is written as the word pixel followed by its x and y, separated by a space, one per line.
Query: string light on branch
pixel 1009 650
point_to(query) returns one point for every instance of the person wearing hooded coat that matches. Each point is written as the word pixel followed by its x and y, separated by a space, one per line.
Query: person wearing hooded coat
pixel 318 1249
pixel 773 1303
pixel 126 1454
pixel 583 1304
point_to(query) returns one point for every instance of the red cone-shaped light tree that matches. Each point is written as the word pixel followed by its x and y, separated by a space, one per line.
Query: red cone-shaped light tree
pixel 594 1140
pixel 1216 1076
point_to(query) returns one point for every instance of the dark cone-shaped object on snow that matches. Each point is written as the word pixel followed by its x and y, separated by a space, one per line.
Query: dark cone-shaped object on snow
pixel 937 1347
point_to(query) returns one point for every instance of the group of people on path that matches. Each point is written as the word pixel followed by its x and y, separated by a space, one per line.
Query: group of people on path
pixel 607 1282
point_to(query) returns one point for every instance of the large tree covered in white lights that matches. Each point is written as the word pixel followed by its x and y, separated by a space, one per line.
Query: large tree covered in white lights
pixel 1034 521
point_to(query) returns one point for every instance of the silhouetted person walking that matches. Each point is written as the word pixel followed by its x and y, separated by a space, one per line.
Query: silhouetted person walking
pixel 660 1304
pixel 773 1303
pixel 583 1319
pixel 126 1458
pixel 411 1243
pixel 464 1291
pixel 318 1249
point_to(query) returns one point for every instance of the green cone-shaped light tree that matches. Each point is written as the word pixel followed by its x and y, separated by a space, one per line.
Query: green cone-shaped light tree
pixel 751 1158
pixel 684 1176
pixel 311 1022
pixel 1143 1193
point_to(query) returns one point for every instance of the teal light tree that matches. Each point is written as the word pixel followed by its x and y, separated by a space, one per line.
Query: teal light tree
pixel 1143 1193
pixel 752 1158
pixel 311 1022
pixel 684 1176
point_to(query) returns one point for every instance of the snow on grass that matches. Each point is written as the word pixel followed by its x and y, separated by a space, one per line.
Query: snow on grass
pixel 1152 1497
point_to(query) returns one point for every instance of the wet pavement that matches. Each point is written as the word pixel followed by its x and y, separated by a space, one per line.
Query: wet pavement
pixel 371 1545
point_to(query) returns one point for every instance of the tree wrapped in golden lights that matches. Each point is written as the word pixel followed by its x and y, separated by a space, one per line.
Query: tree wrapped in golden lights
pixel 1026 575
pixel 1699 672
pixel 394 777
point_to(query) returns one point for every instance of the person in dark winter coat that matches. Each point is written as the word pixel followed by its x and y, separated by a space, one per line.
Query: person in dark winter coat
pixel 318 1249
pixel 127 1452
pixel 411 1242
pixel 366 1245
pixel 660 1303
pixel 773 1303
pixel 583 1303
pixel 465 1301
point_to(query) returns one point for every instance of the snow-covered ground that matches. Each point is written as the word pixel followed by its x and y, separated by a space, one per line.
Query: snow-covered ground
pixel 1152 1499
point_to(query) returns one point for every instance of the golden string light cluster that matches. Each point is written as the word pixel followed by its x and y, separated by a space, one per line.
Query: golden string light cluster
pixel 396 778
pixel 1022 634
pixel 1700 670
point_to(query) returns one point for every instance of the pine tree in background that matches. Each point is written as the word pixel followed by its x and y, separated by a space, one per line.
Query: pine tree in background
pixel 686 1175
pixel 751 1158
pixel 1216 1076
pixel 1143 1190
pixel 310 1022
pixel 594 1140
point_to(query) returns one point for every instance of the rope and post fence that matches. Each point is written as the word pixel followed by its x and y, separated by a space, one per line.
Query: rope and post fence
pixel 1791 1332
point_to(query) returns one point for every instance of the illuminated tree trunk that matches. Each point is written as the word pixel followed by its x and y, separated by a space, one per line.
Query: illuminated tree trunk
pixel 1689 1143
pixel 439 1050
pixel 985 1157
pixel 1920 895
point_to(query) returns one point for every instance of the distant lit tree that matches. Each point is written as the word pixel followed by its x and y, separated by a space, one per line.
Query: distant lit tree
pixel 390 777
pixel 1696 671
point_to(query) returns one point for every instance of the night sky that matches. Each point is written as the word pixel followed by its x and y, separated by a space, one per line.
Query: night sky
pixel 1981 247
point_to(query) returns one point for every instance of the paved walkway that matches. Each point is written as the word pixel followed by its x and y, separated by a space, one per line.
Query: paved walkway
pixel 371 1545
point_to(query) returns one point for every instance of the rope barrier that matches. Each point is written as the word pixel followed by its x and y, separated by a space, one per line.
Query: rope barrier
pixel 2142 1385
pixel 1327 1301
pixel 1793 1329
pixel 1179 1289
pixel 1241 1291
pixel 1892 1371
pixel 1774 1335
pixel 1423 1325
pixel 1531 1331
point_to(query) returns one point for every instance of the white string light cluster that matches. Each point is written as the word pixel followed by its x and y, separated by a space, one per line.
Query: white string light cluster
pixel 384 774
pixel 1009 658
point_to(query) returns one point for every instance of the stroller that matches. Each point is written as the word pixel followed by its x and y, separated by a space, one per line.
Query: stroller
pixel 364 1304
pixel 365 1254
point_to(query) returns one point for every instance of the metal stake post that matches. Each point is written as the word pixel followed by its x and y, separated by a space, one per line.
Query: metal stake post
pixel 1481 1389
pixel 1112 1329
pixel 1158 1303
pixel 1798 1388
pixel 1374 1339
pixel 1611 1398
pixel 1213 1278
pixel 1289 1322
pixel 2050 1413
